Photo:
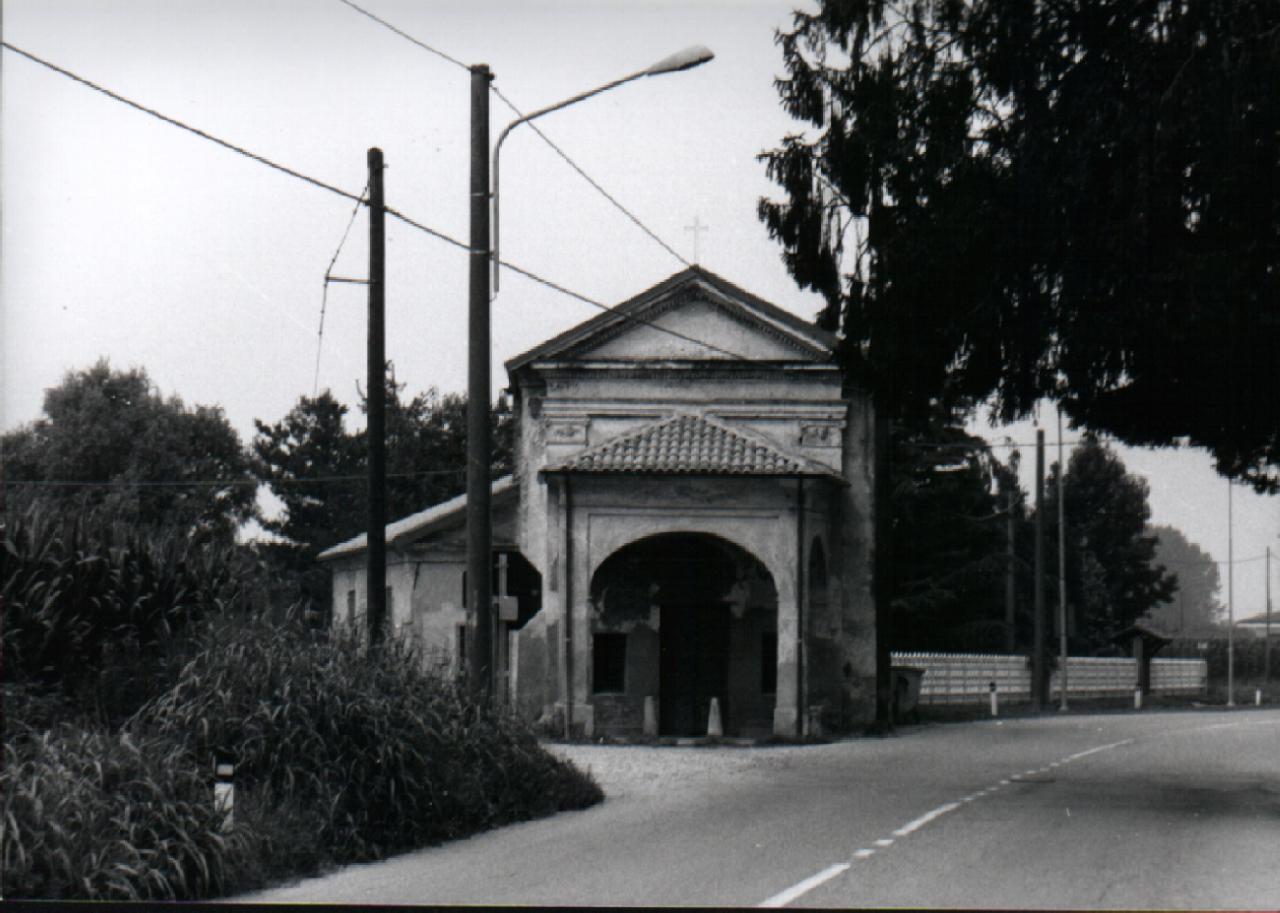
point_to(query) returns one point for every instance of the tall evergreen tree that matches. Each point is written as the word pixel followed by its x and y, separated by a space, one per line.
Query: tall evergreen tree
pixel 1113 577
pixel 1065 198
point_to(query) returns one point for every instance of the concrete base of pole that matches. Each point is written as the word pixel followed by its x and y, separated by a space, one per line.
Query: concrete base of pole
pixel 1137 698
pixel 1257 697
pixel 714 728
pixel 650 716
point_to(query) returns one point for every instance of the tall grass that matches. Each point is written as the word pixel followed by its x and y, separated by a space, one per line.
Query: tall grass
pixel 94 814
pixel 130 659
pixel 394 755
pixel 101 613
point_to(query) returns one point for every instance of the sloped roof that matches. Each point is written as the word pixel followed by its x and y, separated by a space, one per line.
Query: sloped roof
pixel 406 529
pixel 807 336
pixel 688 443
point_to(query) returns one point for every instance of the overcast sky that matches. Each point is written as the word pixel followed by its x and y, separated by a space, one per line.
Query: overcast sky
pixel 127 238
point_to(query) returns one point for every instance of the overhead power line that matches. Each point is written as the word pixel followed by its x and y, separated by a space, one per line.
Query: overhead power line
pixel 328 277
pixel 546 139
pixel 406 36
pixel 435 233
pixel 215 483
pixel 240 150
pixel 589 179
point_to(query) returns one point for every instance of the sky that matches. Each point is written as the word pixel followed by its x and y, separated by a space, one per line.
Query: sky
pixel 124 237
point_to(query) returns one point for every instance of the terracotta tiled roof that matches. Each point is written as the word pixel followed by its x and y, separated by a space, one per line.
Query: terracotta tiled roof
pixel 688 443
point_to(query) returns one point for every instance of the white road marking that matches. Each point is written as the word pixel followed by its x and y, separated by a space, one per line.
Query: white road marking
pixel 925 819
pixel 804 887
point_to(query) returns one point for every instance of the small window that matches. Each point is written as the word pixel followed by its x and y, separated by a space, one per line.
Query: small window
pixel 768 663
pixel 609 663
pixel 351 607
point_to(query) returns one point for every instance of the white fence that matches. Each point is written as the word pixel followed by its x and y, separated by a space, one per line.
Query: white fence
pixel 965 678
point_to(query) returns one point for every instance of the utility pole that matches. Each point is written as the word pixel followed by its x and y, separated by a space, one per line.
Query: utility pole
pixel 1037 645
pixel 1062 573
pixel 376 569
pixel 1010 578
pixel 1231 604
pixel 479 530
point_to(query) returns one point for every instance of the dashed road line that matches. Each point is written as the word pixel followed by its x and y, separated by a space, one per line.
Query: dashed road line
pixel 804 887
pixel 925 819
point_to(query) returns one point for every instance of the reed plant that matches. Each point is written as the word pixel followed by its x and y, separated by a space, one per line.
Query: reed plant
pixel 391 754
pixel 103 613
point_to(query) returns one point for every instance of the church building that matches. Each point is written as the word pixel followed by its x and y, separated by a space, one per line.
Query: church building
pixel 689 518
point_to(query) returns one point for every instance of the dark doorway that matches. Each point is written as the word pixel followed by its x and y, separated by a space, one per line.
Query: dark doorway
pixel 694 666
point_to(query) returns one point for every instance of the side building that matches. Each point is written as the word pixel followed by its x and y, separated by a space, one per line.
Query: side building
pixel 689 517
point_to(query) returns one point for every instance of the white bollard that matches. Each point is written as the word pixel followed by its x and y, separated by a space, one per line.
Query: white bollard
pixel 224 791
pixel 714 728
pixel 650 716
pixel 1137 697
pixel 995 700
pixel 1257 697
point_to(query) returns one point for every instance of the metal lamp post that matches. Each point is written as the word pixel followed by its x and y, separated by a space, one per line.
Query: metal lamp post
pixel 682 60
pixel 479 588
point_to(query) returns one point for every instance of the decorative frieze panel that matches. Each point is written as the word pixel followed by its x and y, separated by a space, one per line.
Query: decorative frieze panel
pixel 823 435
pixel 567 431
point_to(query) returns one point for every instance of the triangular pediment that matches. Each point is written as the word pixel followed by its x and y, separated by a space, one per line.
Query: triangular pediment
pixel 694 315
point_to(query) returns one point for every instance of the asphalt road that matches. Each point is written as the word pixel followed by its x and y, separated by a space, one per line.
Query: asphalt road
pixel 1124 810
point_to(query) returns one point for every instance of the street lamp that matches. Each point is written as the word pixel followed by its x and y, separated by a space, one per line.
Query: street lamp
pixel 479 590
pixel 687 59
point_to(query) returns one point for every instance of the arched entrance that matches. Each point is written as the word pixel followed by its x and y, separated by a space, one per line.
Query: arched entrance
pixel 683 618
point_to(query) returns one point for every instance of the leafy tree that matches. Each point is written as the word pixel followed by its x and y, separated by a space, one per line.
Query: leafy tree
pixel 1113 577
pixel 109 442
pixel 1195 607
pixel 319 470
pixel 1064 198
pixel 949 540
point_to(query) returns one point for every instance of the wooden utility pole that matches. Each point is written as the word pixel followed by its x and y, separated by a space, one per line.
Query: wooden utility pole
pixel 479 529
pixel 1010 578
pixel 1062 573
pixel 376 569
pixel 1037 640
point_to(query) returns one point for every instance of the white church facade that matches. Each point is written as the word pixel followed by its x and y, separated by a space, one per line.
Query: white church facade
pixel 689 517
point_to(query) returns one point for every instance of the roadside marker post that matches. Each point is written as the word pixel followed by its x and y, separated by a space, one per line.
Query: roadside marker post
pixel 224 789
pixel 995 700
pixel 1137 697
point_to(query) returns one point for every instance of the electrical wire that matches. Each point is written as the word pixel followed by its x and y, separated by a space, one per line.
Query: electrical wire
pixel 406 36
pixel 546 139
pixel 177 123
pixel 216 483
pixel 529 274
pixel 324 297
pixel 589 179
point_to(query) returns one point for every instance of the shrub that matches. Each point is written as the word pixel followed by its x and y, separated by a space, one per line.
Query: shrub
pixel 392 755
pixel 99 612
pixel 94 814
